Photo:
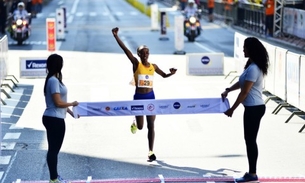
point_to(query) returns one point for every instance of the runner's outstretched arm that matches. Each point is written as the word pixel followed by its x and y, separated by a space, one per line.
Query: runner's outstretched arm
pixel 122 45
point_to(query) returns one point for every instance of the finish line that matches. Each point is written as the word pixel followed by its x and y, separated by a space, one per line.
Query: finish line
pixel 152 107
pixel 161 179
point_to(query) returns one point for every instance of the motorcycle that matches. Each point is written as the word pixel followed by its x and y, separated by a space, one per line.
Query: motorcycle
pixel 192 26
pixel 20 29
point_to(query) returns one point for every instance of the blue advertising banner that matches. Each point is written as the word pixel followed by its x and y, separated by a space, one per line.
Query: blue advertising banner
pixel 33 67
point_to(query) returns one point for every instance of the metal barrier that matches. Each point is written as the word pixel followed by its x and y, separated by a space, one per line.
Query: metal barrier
pixel 4 69
pixel 3 57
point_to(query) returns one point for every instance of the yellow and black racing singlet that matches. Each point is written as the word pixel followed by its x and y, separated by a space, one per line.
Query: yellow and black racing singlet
pixel 144 76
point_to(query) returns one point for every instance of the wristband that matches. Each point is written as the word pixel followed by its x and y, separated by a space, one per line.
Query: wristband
pixel 228 89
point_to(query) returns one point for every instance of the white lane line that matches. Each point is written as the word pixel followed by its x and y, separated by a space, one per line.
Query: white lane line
pixel 9 114
pixel 204 47
pixel 14 127
pixel 60 3
pixel 107 10
pixel 79 14
pixel 9 167
pixel 4 160
pixel 161 178
pixel 1 174
pixel 8 145
pixel 126 43
pixel 92 14
pixel 74 7
pixel 12 136
pixel 119 13
pixel 73 10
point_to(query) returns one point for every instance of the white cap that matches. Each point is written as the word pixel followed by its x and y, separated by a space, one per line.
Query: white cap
pixel 191 1
pixel 21 4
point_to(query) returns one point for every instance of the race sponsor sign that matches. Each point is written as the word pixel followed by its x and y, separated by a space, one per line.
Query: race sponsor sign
pixel 33 67
pixel 205 64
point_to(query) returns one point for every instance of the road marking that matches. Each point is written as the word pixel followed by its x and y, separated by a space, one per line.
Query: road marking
pixel 161 178
pixel 74 7
pixel 107 10
pixel 9 167
pixel 134 13
pixel 8 146
pixel 14 127
pixel 79 14
pixel 126 43
pixel 12 136
pixel 92 14
pixel 60 3
pixel 204 47
pixel 5 160
pixel 119 13
pixel 73 10
pixel 10 115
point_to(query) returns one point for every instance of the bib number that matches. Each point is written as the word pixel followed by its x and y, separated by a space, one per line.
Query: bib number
pixel 145 81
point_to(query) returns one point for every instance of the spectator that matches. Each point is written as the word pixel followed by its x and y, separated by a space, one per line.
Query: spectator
pixel 29 6
pixel 227 9
pixel 3 17
pixel 269 11
pixel 240 12
pixel 36 7
pixel 198 4
pixel 183 4
pixel 211 4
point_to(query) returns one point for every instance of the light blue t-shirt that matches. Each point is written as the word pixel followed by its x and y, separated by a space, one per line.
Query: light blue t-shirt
pixel 54 86
pixel 255 75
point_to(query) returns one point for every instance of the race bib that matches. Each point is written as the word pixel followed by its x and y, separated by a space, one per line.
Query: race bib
pixel 145 81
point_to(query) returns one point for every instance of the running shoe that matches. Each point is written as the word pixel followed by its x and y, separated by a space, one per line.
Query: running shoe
pixel 59 180
pixel 152 156
pixel 133 128
pixel 247 178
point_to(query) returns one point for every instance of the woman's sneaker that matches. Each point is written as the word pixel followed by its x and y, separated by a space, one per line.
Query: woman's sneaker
pixel 247 178
pixel 151 156
pixel 59 180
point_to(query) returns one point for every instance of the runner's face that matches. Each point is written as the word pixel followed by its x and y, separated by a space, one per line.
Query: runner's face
pixel 144 53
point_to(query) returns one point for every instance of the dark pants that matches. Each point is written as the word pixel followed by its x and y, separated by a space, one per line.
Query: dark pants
pixel 2 25
pixel 55 135
pixel 269 24
pixel 240 16
pixel 252 118
pixel 182 5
